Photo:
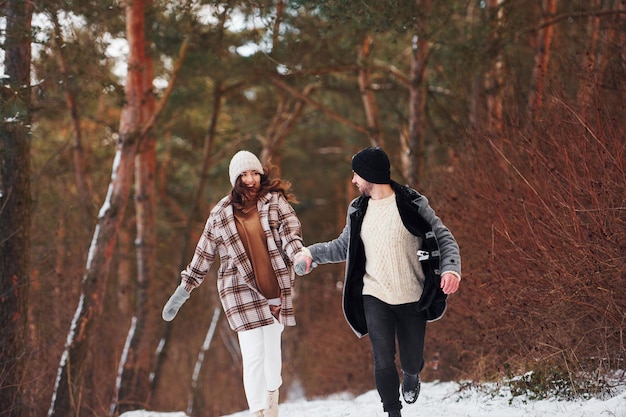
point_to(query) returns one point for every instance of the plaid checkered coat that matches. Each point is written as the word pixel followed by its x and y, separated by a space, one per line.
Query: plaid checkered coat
pixel 245 307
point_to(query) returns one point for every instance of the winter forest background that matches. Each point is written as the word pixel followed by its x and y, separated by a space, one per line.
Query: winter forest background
pixel 508 115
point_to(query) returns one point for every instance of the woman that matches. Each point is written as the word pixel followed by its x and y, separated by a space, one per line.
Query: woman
pixel 256 234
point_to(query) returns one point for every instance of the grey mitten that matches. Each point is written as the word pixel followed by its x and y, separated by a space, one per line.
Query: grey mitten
pixel 174 303
pixel 300 267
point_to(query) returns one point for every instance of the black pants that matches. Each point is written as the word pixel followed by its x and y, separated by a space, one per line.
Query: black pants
pixel 384 323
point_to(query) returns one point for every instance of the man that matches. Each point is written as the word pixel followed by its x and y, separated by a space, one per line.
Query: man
pixel 401 264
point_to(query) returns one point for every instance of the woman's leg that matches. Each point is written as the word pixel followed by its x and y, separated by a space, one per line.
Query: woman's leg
pixel 262 363
pixel 252 347
pixel 273 355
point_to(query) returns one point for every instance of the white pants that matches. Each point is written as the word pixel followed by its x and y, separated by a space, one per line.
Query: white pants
pixel 262 363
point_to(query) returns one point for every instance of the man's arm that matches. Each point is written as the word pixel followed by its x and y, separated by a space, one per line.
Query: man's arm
pixel 322 253
pixel 448 249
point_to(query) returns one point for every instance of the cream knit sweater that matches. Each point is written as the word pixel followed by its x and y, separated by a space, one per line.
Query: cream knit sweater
pixel 393 273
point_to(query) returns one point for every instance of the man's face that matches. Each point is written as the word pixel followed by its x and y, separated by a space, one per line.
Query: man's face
pixel 364 187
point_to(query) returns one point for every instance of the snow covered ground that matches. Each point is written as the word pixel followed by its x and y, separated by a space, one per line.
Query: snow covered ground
pixel 444 399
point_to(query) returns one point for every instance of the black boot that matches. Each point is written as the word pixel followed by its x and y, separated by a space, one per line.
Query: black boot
pixel 410 387
pixel 394 413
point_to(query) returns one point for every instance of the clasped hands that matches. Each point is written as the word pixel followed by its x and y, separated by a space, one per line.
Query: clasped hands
pixel 303 262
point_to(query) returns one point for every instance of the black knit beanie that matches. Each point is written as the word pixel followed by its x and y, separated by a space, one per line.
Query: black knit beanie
pixel 372 164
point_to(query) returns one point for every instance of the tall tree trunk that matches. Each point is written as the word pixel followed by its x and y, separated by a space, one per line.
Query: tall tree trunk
pixel 414 152
pixel 542 59
pixel 604 41
pixel 367 96
pixel 195 391
pixel 476 112
pixel 207 151
pixel 70 373
pixel 71 101
pixel 219 91
pixel 208 159
pixel 125 271
pixel 493 76
pixel 133 385
pixel 15 204
pixel 588 81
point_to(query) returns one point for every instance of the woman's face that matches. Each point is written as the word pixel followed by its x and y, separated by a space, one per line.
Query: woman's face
pixel 251 180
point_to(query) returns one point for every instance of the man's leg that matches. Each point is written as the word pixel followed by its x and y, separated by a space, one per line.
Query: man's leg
pixel 411 332
pixel 382 333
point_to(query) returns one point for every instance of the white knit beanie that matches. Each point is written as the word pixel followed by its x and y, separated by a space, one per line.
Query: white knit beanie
pixel 241 162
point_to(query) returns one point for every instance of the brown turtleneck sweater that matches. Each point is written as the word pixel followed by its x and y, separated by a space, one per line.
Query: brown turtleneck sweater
pixel 254 241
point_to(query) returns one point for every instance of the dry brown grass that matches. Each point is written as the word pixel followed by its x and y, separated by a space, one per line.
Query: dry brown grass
pixel 541 219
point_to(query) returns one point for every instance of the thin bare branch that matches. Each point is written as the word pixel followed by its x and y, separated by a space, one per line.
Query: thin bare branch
pixel 281 84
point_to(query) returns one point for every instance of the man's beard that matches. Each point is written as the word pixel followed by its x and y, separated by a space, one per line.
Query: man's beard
pixel 365 189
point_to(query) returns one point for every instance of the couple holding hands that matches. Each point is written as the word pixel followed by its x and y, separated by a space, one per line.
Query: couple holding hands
pixel 401 264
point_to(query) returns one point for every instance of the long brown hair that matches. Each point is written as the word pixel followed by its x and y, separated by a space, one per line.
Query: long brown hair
pixel 270 182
